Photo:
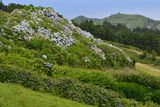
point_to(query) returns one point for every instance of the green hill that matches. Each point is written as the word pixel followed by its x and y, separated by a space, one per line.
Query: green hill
pixel 129 20
pixel 96 21
pixel 42 51
pixel 55 40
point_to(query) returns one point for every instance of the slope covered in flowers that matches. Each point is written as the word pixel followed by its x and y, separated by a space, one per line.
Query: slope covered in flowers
pixel 47 32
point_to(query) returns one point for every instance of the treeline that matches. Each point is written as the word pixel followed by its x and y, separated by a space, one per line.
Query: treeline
pixel 9 8
pixel 145 39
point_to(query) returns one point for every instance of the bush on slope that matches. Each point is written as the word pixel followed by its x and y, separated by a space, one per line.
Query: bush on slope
pixel 44 31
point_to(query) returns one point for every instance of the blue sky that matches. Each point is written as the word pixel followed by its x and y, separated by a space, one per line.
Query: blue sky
pixel 98 8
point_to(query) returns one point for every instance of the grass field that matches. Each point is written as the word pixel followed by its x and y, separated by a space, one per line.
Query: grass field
pixel 147 69
pixel 17 96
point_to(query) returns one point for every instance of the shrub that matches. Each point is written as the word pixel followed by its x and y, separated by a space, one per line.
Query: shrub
pixel 78 52
pixel 149 81
pixel 115 57
pixel 105 80
pixel 64 87
pixel 16 60
pixel 132 91
pixel 38 43
pixel 144 55
pixel 96 78
pixel 89 94
pixel 156 96
pixel 61 16
pixel 27 79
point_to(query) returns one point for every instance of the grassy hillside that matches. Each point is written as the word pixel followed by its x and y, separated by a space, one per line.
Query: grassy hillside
pixel 139 55
pixel 49 34
pixel 17 96
pixel 148 68
pixel 44 52
pixel 81 19
pixel 129 20
pixel 132 21
pixel 94 87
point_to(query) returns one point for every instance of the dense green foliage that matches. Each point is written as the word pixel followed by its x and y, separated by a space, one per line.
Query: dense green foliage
pixel 139 88
pixel 65 71
pixel 143 79
pixel 156 96
pixel 139 55
pixel 90 89
pixel 74 55
pixel 9 8
pixel 142 38
pixel 132 91
pixel 35 48
pixel 26 67
pixel 63 87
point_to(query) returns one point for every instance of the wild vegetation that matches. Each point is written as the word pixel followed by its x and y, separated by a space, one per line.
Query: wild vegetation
pixel 143 38
pixel 116 33
pixel 9 8
pixel 42 51
pixel 68 44
pixel 139 55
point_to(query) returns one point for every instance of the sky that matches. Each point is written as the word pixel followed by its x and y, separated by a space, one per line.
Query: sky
pixel 97 8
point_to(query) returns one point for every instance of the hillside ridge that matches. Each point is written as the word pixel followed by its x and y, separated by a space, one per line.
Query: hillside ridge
pixel 31 23
pixel 131 21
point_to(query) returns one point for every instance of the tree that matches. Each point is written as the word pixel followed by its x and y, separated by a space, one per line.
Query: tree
pixel 10 7
pixel 146 39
